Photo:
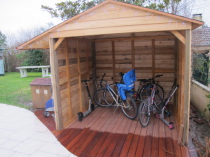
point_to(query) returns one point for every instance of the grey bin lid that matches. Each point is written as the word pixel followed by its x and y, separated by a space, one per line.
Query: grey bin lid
pixel 41 82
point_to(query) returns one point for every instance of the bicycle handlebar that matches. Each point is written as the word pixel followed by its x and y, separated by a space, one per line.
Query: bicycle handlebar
pixel 102 78
pixel 150 79
pixel 85 80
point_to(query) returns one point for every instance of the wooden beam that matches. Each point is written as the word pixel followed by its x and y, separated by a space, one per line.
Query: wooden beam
pixel 113 61
pixel 87 57
pixel 153 57
pixel 133 50
pixel 58 43
pixel 93 58
pixel 137 38
pixel 79 77
pixel 181 92
pixel 187 81
pixel 121 29
pixel 179 36
pixel 55 85
pixel 69 80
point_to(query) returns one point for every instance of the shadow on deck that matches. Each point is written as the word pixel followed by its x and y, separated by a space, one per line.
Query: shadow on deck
pixel 103 133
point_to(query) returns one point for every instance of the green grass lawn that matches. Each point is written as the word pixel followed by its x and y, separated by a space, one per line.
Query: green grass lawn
pixel 15 90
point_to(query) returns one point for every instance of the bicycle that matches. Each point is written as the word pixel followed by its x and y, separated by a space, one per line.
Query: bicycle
pixel 119 95
pixel 149 105
pixel 144 89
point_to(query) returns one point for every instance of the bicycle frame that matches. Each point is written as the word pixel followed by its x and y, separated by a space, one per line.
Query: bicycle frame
pixel 151 99
pixel 166 101
pixel 151 104
pixel 114 95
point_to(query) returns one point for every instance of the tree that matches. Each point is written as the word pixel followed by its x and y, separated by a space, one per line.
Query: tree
pixel 23 35
pixel 68 9
pixel 15 58
pixel 2 41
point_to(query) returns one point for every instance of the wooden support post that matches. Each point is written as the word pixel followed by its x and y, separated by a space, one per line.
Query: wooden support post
pixel 153 57
pixel 55 85
pixel 113 61
pixel 69 79
pixel 181 92
pixel 133 51
pixel 93 58
pixel 187 81
pixel 87 60
pixel 79 77
pixel 176 73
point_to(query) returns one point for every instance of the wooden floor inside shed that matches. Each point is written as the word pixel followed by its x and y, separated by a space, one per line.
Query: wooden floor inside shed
pixel 103 133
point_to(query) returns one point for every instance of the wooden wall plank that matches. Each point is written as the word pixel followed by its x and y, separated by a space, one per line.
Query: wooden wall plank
pixel 122 29
pixel 123 21
pixel 113 60
pixel 79 77
pixel 69 83
pixel 153 57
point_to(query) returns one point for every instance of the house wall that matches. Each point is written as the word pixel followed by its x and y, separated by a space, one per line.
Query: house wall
pixel 74 65
pixel 198 95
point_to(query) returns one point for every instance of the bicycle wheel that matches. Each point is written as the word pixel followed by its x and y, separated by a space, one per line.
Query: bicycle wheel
pixel 102 97
pixel 144 113
pixel 129 107
pixel 159 95
pixel 145 92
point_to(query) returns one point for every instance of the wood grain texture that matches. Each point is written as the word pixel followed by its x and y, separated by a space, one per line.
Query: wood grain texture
pixel 87 141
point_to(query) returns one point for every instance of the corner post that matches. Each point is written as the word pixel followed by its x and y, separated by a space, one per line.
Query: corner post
pixel 55 85
pixel 187 82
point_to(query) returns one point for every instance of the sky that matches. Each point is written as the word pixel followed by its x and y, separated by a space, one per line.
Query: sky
pixel 25 14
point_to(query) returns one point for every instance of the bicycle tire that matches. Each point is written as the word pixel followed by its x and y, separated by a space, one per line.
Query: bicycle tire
pixel 145 93
pixel 143 113
pixel 102 96
pixel 130 109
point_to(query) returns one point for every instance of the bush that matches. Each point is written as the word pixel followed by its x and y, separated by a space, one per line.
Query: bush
pixel 200 68
pixel 34 58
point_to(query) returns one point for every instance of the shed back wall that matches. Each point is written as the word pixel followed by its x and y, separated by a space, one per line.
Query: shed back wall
pixel 150 56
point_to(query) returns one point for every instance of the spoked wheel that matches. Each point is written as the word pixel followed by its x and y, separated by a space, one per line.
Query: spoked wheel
pixel 159 95
pixel 129 107
pixel 171 126
pixel 143 113
pixel 102 97
pixel 80 116
pixel 145 92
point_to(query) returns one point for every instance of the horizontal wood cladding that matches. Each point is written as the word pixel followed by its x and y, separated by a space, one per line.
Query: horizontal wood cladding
pixel 74 64
pixel 149 56
pixel 114 18
pixel 121 29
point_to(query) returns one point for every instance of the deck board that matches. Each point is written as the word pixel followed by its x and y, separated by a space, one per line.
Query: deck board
pixel 105 133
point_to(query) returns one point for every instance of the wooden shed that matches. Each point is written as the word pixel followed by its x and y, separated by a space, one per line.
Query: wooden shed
pixel 115 37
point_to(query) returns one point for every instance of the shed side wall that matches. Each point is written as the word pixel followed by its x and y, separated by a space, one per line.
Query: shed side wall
pixel 75 64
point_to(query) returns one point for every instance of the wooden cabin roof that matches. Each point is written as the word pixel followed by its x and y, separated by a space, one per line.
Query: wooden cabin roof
pixel 112 17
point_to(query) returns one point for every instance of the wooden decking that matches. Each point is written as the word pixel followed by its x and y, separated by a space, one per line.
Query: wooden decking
pixel 103 133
